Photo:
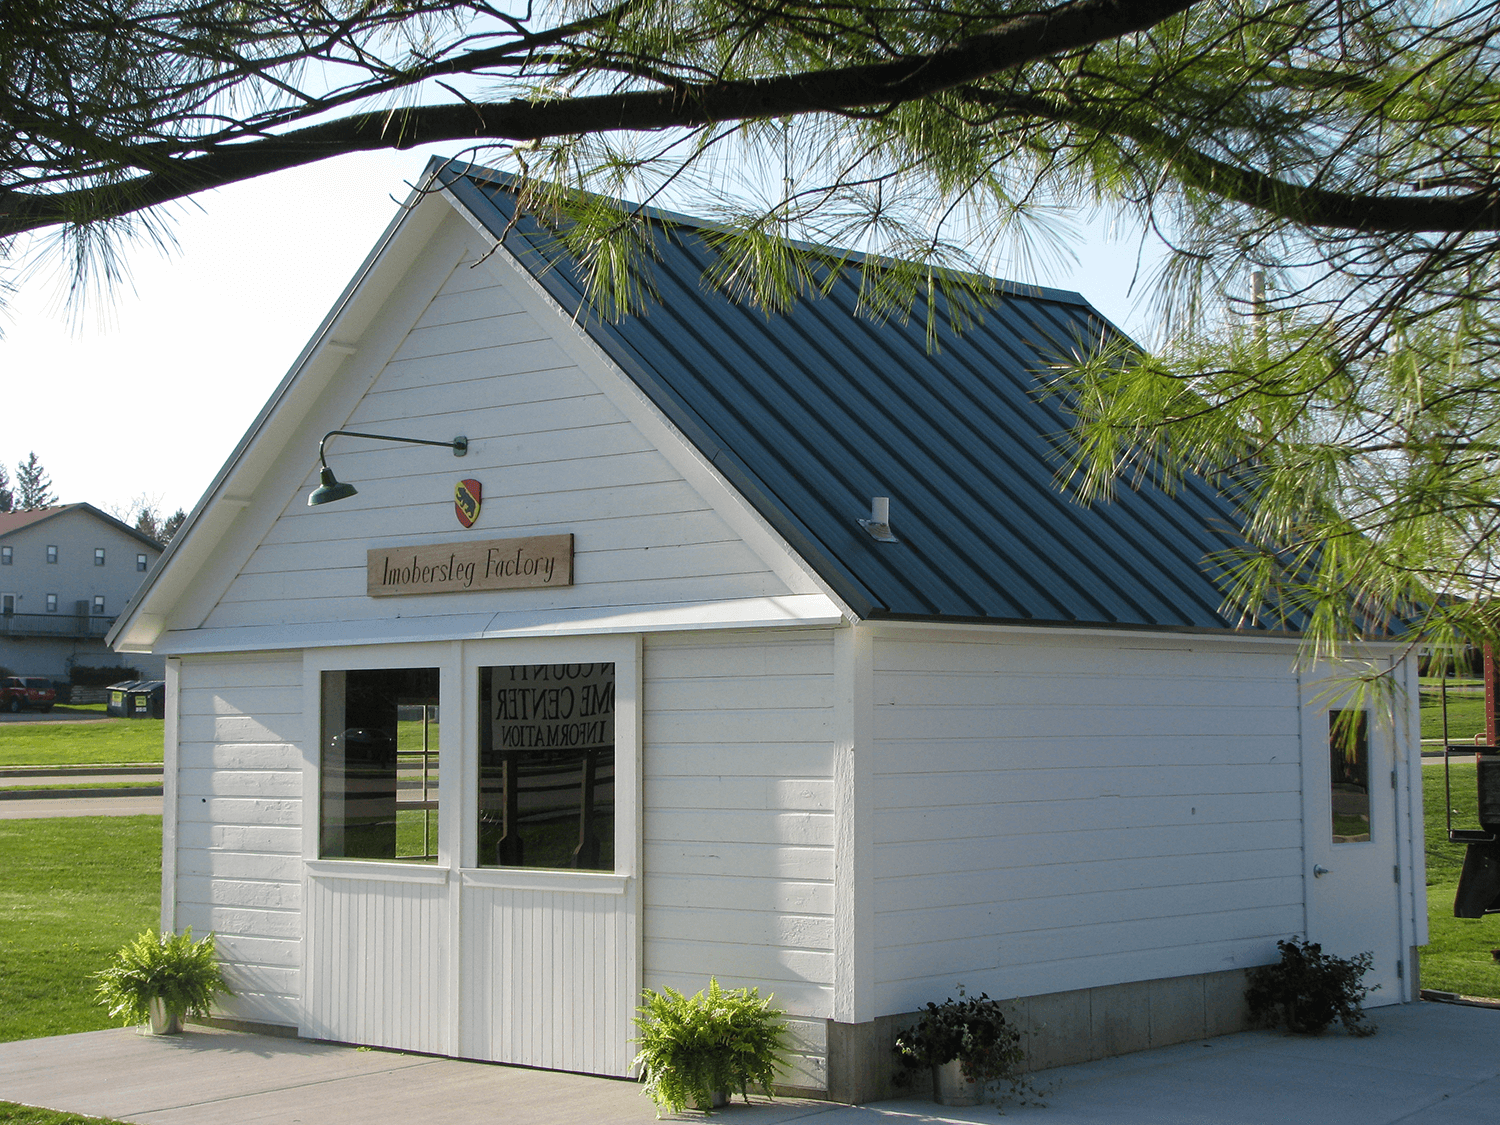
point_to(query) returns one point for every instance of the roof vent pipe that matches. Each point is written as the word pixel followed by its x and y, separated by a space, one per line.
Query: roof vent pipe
pixel 879 523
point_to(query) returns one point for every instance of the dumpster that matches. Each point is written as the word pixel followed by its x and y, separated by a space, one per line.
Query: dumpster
pixel 138 699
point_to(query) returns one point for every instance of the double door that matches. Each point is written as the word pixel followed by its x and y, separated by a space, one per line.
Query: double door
pixel 509 940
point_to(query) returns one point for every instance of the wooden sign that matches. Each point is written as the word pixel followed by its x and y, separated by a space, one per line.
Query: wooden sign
pixel 457 568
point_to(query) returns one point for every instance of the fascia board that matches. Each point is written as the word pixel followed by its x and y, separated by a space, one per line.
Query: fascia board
pixel 783 612
pixel 1145 636
pixel 705 473
pixel 267 438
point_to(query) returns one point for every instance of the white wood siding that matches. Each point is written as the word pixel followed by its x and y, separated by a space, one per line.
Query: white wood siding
pixel 552 452
pixel 543 975
pixel 239 825
pixel 738 830
pixel 1061 814
pixel 378 965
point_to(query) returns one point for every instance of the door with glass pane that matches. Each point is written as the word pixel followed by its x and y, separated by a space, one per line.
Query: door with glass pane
pixel 551 902
pixel 1353 899
pixel 379 902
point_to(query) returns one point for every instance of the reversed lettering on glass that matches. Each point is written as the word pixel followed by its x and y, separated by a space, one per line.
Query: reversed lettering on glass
pixel 547 766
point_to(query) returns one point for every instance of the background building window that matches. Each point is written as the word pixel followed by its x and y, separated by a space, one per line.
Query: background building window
pixel 98 603
pixel 6 555
pixel 380 765
pixel 51 603
pixel 51 552
pixel 98 556
pixel 141 562
pixel 547 766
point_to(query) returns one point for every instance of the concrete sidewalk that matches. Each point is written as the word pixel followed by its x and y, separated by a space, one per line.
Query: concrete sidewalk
pixel 1430 1064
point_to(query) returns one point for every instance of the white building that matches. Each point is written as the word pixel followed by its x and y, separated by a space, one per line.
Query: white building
pixel 65 574
pixel 697 717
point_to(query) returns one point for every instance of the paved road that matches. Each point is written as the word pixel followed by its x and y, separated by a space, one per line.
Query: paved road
pixel 80 806
pixel 53 716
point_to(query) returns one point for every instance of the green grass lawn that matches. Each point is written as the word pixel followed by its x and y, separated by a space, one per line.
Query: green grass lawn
pixel 13 1114
pixel 138 783
pixel 1457 956
pixel 1465 715
pixel 75 889
pixel 62 744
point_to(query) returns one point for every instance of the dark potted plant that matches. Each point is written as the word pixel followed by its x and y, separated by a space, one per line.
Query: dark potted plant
pixel 697 1049
pixel 156 979
pixel 1308 989
pixel 967 1044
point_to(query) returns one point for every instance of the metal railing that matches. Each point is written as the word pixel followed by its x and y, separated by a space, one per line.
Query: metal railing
pixel 71 625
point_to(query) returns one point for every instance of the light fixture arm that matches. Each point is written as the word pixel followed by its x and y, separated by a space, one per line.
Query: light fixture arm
pixel 459 445
pixel 330 488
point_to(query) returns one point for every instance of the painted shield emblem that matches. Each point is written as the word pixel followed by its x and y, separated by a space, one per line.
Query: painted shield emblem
pixel 466 497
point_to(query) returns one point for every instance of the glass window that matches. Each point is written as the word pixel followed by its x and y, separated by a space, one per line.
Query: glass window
pixel 51 552
pixel 380 765
pixel 547 766
pixel 98 556
pixel 141 562
pixel 51 603
pixel 98 603
pixel 7 554
pixel 1349 771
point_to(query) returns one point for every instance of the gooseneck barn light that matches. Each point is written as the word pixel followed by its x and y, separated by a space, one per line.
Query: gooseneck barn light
pixel 332 488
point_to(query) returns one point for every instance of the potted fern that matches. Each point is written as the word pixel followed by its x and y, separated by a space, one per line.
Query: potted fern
pixel 1308 989
pixel 156 979
pixel 696 1050
pixel 967 1044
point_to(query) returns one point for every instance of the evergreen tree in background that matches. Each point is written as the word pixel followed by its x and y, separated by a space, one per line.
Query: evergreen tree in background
pixel 33 486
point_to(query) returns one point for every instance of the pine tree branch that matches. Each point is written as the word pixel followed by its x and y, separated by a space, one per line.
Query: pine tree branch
pixel 1014 43
pixel 1296 203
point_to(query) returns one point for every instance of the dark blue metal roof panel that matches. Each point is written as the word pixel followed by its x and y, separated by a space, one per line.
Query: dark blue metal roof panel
pixel 812 413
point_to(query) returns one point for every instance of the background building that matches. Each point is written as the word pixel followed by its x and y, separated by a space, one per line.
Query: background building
pixel 65 574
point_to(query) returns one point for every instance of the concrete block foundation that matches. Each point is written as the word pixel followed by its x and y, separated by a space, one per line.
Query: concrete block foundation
pixel 1058 1029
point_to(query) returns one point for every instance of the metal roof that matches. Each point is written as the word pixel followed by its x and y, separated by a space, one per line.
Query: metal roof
pixel 812 413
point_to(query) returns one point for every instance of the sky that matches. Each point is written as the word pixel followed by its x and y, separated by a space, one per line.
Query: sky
pixel 146 393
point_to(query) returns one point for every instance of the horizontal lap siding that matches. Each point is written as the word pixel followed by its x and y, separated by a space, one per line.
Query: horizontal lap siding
pixel 1060 815
pixel 552 453
pixel 239 826
pixel 738 829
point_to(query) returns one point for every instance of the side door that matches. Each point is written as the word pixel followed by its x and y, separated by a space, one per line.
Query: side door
pixel 1351 847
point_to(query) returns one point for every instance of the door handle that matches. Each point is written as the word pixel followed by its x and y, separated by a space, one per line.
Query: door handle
pixel 1319 871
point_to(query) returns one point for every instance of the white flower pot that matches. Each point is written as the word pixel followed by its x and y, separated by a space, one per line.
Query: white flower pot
pixel 164 1021
pixel 950 1087
pixel 720 1099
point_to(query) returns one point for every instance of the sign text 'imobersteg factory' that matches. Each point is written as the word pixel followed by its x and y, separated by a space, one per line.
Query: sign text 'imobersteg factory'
pixel 492 564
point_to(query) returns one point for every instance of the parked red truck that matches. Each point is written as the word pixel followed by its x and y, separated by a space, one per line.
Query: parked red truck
pixel 28 693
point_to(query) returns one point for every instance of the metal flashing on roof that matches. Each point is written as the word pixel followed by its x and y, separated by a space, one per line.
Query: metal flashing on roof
pixel 811 413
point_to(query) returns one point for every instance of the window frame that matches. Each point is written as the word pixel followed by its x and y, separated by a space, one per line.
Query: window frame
pixel 458 664
pixel 51 603
pixel 97 609
pixel 315 662
pixel 622 650
pixel 7 556
pixel 51 554
pixel 98 556
pixel 142 561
